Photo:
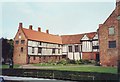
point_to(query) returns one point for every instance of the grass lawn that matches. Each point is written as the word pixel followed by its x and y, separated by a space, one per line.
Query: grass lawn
pixel 81 68
pixel 7 66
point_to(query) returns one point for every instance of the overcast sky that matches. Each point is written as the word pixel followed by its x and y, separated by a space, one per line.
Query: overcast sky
pixel 61 18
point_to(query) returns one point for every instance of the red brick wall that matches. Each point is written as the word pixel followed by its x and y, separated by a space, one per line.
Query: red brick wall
pixel 18 56
pixel 43 59
pixel 88 55
pixel 108 56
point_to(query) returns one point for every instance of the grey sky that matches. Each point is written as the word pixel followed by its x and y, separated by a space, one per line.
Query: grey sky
pixel 59 17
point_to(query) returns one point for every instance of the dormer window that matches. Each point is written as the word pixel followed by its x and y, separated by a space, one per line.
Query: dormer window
pixel 111 30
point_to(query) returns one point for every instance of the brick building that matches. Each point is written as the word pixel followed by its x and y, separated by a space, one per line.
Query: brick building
pixel 32 46
pixel 108 39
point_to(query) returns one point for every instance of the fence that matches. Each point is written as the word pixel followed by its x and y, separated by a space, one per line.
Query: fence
pixel 63 75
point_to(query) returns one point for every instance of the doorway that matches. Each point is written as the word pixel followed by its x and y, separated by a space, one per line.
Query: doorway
pixel 97 57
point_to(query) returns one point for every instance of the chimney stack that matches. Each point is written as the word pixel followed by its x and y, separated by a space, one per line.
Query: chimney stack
pixel 100 25
pixel 20 25
pixel 47 31
pixel 30 27
pixel 39 29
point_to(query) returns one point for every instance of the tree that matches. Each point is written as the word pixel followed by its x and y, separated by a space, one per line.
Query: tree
pixel 7 49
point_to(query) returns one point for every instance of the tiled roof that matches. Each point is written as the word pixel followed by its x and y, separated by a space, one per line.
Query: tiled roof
pixel 91 35
pixel 71 39
pixel 41 36
pixel 75 39
pixel 64 39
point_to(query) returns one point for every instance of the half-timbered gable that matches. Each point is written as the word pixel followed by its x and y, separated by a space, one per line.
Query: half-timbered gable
pixel 89 43
pixel 86 44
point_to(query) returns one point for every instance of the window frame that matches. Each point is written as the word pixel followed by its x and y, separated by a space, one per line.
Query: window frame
pixel 40 43
pixel 53 51
pixel 39 50
pixel 33 50
pixel 22 41
pixel 17 42
pixel 58 51
pixel 76 48
pixel 70 49
pixel 111 30
pixel 95 47
pixel 112 44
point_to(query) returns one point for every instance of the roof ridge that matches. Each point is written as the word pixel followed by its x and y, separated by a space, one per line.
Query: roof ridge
pixel 41 32
pixel 79 34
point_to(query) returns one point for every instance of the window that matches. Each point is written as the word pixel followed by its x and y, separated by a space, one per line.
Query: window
pixel 95 47
pixel 70 48
pixel 32 49
pixel 39 43
pixel 21 49
pixel 111 30
pixel 112 44
pixel 22 41
pixel 53 50
pixel 39 50
pixel 58 45
pixel 16 42
pixel 76 48
pixel 58 51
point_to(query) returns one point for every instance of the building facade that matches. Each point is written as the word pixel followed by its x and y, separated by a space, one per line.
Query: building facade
pixel 108 39
pixel 81 46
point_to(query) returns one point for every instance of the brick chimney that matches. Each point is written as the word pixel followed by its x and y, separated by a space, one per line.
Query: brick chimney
pixel 30 27
pixel 47 31
pixel 20 25
pixel 39 29
pixel 100 25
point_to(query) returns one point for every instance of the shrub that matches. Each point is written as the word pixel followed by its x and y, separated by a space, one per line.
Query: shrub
pixel 78 62
pixel 92 61
pixel 51 62
pixel 85 61
pixel 63 62
pixel 72 62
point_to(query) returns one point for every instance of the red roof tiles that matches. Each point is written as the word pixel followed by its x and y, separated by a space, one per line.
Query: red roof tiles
pixel 91 35
pixel 71 39
pixel 75 39
pixel 41 36
pixel 64 39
